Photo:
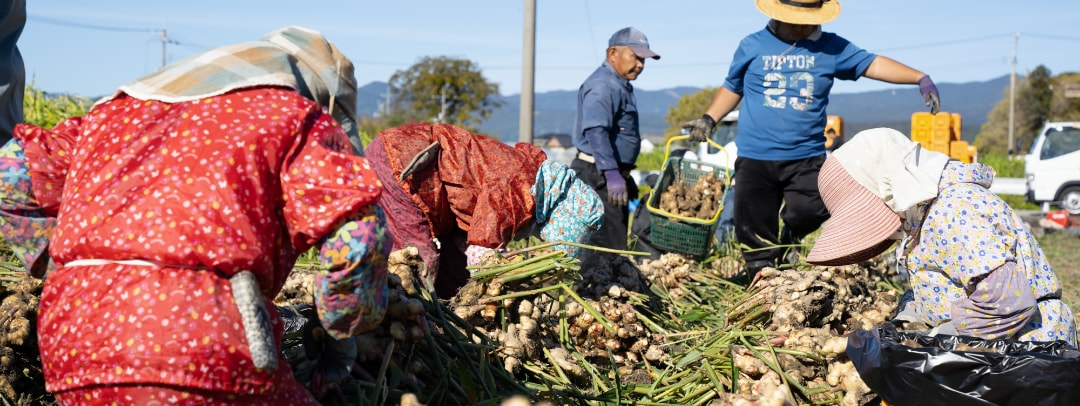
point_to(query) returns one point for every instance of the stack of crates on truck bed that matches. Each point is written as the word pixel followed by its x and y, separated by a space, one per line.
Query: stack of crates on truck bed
pixel 941 132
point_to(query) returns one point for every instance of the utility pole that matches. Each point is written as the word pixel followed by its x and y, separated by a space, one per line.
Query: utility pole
pixel 164 40
pixel 386 107
pixel 1012 95
pixel 528 74
pixel 442 104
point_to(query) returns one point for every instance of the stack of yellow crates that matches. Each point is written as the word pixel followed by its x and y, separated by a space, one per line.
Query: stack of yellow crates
pixel 921 126
pixel 941 132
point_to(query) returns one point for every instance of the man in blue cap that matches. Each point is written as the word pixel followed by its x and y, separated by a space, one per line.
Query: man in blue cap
pixel 606 133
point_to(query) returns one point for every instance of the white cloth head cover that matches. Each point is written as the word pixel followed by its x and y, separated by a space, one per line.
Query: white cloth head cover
pixel 893 167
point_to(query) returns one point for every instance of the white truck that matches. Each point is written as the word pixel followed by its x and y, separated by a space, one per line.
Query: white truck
pixel 1052 167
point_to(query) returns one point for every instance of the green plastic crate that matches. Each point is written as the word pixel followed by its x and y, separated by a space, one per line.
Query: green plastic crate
pixel 674 233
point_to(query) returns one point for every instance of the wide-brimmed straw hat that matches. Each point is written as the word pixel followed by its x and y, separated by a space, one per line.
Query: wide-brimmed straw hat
pixel 806 12
pixel 859 224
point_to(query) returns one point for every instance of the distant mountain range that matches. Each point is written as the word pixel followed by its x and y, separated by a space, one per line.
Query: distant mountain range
pixel 888 108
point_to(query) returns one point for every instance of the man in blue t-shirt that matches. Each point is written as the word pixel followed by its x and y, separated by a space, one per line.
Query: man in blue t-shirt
pixel 606 133
pixel 783 75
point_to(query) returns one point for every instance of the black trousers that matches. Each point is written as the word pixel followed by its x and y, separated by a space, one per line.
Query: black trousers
pixel 771 192
pixel 612 234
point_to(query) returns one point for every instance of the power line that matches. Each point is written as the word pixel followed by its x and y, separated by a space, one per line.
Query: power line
pixel 952 42
pixel 364 62
pixel 1057 37
pixel 88 26
pixel 588 21
pixel 668 65
pixel 163 34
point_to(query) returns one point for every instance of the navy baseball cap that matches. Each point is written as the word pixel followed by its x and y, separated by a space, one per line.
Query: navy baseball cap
pixel 635 39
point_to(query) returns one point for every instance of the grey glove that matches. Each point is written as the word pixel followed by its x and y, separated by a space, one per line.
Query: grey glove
pixel 336 359
pixel 700 129
pixel 905 309
pixel 256 320
pixel 334 363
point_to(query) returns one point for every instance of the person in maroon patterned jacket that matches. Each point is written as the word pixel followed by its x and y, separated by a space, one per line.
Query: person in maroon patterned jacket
pixel 469 194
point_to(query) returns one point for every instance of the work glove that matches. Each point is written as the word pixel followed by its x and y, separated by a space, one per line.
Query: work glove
pixel 700 128
pixel 929 94
pixel 616 187
pixel 334 363
pixel 475 255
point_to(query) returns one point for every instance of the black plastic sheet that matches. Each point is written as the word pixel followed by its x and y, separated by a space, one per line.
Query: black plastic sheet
pixel 296 345
pixel 908 368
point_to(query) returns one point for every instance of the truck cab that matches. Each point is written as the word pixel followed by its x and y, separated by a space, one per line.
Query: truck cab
pixel 1052 167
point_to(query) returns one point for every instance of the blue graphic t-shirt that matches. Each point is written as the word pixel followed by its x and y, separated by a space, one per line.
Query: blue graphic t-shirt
pixel 785 90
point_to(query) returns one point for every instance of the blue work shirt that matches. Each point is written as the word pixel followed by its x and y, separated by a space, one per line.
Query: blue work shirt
pixel 606 100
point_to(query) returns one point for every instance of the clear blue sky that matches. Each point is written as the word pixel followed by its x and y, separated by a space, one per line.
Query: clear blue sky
pixel 92 47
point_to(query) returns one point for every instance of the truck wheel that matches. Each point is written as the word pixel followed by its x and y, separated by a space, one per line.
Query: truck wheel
pixel 1070 200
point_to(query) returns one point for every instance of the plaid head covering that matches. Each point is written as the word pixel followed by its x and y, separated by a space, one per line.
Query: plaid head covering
pixel 292 57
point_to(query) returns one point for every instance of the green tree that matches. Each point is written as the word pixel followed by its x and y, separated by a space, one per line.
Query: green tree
pixel 449 90
pixel 1039 98
pixel 993 137
pixel 1040 94
pixel 1062 108
pixel 687 108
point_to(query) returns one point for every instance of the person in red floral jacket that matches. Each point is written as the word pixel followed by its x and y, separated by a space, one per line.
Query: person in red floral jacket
pixel 172 213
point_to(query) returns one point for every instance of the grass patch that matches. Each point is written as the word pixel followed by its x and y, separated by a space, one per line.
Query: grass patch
pixel 1017 202
pixel 1064 257
pixel 1003 165
pixel 652 161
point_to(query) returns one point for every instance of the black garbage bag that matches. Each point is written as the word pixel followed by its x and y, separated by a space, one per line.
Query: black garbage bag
pixel 297 347
pixel 908 368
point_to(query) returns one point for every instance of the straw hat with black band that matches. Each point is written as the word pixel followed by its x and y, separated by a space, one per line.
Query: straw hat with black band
pixel 803 12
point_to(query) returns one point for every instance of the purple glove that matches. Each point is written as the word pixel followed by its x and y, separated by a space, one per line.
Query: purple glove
pixel 929 93
pixel 616 187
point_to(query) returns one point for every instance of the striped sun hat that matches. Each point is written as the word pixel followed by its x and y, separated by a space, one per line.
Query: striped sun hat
pixel 859 224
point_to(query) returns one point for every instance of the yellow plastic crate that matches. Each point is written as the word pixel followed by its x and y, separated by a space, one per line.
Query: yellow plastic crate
pixel 959 150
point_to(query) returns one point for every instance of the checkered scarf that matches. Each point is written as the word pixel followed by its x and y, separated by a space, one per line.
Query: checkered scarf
pixel 293 57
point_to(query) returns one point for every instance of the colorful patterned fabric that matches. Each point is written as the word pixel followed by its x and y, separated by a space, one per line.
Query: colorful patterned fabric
pixel 999 306
pixel 25 225
pixel 352 292
pixel 966 234
pixel 566 208
pixel 247 180
pixel 292 57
